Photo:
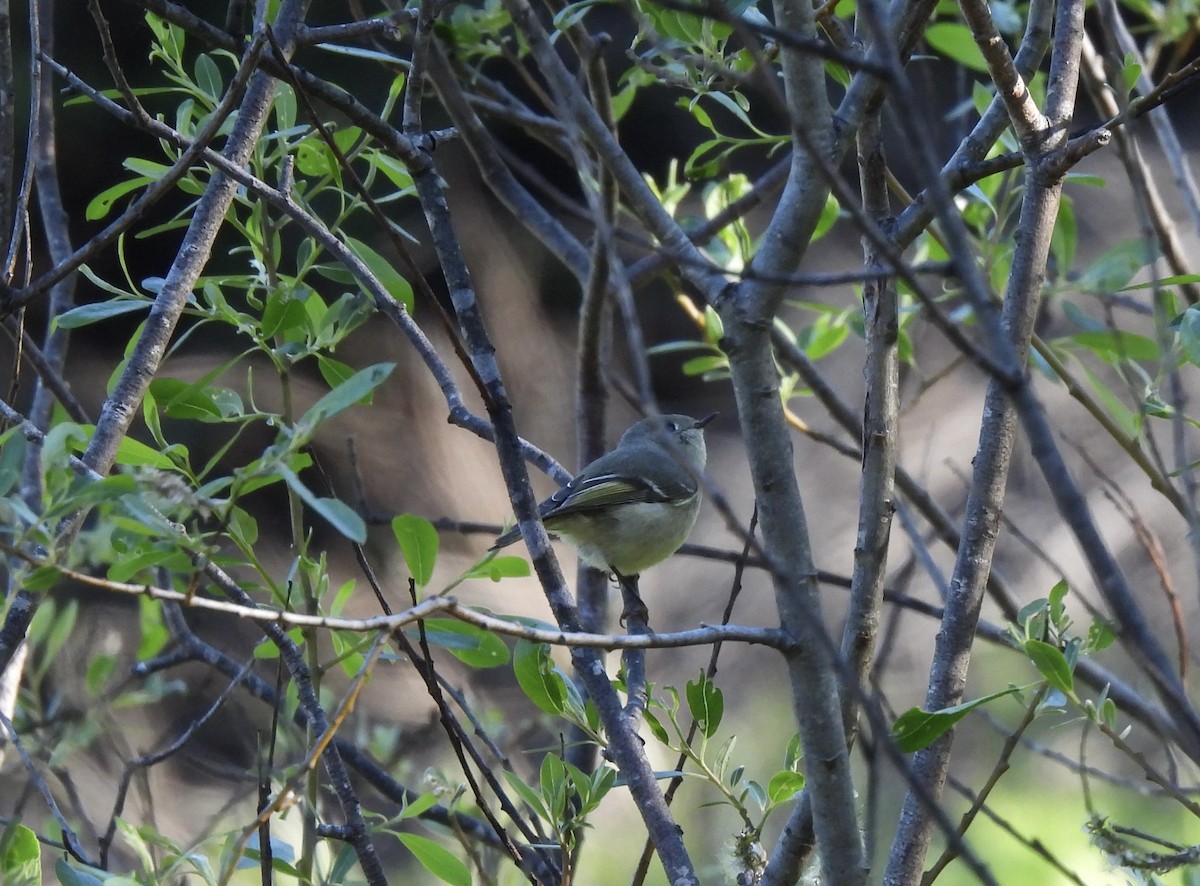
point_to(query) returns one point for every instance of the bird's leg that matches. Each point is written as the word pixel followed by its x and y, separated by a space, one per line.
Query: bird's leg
pixel 633 607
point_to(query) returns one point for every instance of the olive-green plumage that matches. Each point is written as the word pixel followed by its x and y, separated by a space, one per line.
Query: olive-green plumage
pixel 632 507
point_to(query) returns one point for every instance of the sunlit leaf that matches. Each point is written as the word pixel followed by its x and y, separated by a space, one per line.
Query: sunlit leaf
pixel 469 643
pixel 955 41
pixel 496 568
pixel 436 859
pixel 916 729
pixel 706 703
pixel 102 203
pixel 392 280
pixel 418 542
pixel 1051 664
pixel 20 857
pixel 784 785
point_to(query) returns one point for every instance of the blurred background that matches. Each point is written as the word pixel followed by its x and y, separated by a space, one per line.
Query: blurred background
pixel 400 456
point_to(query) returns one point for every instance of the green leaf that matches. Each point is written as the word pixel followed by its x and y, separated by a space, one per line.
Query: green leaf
pixel 104 286
pixel 955 41
pixel 823 337
pixel 208 76
pixel 347 647
pixel 707 704
pixel 128 567
pixel 148 168
pixel 1114 345
pixel 356 389
pixel 1066 235
pixel 1130 72
pixel 84 493
pixel 41 579
pixel 1115 267
pixel 829 215
pixel 1177 280
pixel 1082 178
pixel 338 514
pixel 794 753
pixel 1129 420
pixel 99 669
pixel 552 780
pixel 197 400
pixel 284 312
pixel 85 315
pixel 151 627
pixel 1058 609
pixel 391 279
pixel 657 729
pixel 415 807
pixel 436 859
pixel 342 597
pixel 469 643
pixel 350 311
pixel 313 158
pixel 681 347
pixel 395 170
pixel 837 73
pixel 538 678
pixel 600 783
pixel 79 875
pixel 784 785
pixel 1100 636
pixel 20 857
pixel 419 545
pixel 12 458
pixel 690 29
pixel 282 856
pixel 102 203
pixel 137 454
pixel 243 527
pixel 528 795
pixel 496 568
pixel 916 729
pixel 1156 407
pixel 284 106
pixel 1033 618
pixel 722 758
pixel 1051 664
pixel 703 365
pixel 756 792
pixel 1187 331
pixel 373 55
pixel 54 629
pixel 333 371
pixel 1108 713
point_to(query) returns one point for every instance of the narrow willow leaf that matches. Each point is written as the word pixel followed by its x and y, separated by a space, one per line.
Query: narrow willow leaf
pixel 916 729
pixel 438 860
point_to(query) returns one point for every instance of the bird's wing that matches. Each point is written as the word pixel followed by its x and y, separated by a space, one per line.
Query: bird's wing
pixel 600 488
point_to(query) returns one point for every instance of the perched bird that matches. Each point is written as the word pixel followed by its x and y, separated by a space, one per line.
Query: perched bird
pixel 633 507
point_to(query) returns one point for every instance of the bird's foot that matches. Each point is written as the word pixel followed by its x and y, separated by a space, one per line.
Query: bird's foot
pixel 634 614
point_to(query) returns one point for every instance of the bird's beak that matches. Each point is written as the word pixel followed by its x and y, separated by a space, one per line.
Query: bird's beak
pixel 702 422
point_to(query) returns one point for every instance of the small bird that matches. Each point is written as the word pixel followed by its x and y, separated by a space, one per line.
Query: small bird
pixel 633 507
